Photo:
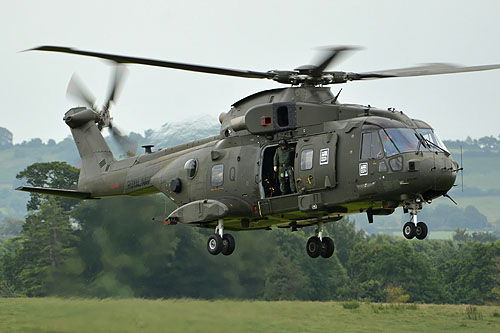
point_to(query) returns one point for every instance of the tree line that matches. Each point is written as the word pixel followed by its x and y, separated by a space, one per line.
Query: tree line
pixel 112 248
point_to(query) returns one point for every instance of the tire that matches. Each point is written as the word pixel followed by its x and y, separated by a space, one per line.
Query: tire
pixel 327 247
pixel 313 247
pixel 228 244
pixel 214 244
pixel 409 230
pixel 421 230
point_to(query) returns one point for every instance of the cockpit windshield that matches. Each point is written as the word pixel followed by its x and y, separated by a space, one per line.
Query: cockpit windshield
pixel 429 135
pixel 403 140
pixel 399 140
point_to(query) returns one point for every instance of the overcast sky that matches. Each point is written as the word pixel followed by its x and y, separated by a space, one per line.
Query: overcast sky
pixel 255 35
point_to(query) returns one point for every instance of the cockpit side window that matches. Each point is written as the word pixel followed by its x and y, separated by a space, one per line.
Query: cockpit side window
pixel 370 146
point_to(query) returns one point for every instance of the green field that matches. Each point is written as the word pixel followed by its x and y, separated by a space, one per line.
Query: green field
pixel 138 315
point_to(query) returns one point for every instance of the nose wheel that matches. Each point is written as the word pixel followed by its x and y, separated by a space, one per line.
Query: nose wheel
pixel 319 245
pixel 421 230
pixel 414 228
pixel 220 242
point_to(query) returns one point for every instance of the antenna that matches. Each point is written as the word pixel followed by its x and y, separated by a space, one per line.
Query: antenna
pixel 337 96
pixel 461 168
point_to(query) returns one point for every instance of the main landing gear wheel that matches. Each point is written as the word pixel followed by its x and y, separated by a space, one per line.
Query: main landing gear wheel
pixel 409 230
pixel 228 244
pixel 421 230
pixel 214 244
pixel 327 247
pixel 313 247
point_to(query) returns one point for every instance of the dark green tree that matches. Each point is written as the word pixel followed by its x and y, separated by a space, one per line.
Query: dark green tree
pixel 472 277
pixel 396 265
pixel 46 258
pixel 9 269
pixel 127 254
pixel 346 237
pixel 50 174
pixel 285 280
pixel 48 240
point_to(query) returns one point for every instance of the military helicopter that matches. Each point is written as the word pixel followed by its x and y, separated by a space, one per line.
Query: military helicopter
pixel 346 158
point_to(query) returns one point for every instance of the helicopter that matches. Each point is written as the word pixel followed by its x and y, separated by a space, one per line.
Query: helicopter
pixel 343 158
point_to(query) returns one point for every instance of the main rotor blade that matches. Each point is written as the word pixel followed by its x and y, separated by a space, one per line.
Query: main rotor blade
pixel 331 54
pixel 159 63
pixel 427 69
pixel 115 86
pixel 77 90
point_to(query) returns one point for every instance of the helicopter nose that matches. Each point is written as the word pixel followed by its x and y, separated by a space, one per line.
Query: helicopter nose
pixel 444 173
pixel 437 174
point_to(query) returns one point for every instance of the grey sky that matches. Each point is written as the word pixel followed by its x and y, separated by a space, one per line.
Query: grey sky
pixel 255 35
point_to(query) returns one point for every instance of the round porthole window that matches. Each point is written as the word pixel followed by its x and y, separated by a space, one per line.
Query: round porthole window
pixel 190 167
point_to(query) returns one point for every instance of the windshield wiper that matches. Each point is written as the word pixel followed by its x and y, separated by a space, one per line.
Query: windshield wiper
pixel 421 142
pixel 430 143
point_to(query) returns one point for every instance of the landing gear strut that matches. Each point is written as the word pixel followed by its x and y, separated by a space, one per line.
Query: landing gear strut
pixel 319 245
pixel 220 242
pixel 414 228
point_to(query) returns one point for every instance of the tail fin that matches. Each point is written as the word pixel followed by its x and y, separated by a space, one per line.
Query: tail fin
pixel 94 151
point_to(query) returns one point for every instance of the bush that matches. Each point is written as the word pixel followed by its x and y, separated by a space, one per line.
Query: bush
pixel 351 305
pixel 396 294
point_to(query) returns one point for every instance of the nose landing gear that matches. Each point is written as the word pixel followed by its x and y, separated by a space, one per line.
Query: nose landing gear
pixel 220 242
pixel 414 228
pixel 319 245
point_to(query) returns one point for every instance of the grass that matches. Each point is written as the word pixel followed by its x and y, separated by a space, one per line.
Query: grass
pixel 473 313
pixel 394 307
pixel 185 315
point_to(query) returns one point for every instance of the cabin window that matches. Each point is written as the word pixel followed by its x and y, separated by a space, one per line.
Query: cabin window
pixel 306 159
pixel 218 175
pixel 282 116
pixel 371 147
pixel 190 167
pixel 396 163
pixel 382 167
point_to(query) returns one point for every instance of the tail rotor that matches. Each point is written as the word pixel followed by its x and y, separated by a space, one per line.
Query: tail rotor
pixel 78 91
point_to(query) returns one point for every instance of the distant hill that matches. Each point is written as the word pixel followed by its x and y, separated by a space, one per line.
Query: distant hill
pixel 481 160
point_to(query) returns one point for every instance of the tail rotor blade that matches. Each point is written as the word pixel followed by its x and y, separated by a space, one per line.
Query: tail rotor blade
pixel 78 91
pixel 115 85
pixel 126 144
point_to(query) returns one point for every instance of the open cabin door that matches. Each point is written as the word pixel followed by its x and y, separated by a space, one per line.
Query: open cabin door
pixel 315 165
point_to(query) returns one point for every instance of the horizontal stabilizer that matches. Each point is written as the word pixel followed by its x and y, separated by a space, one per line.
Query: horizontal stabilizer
pixel 58 192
